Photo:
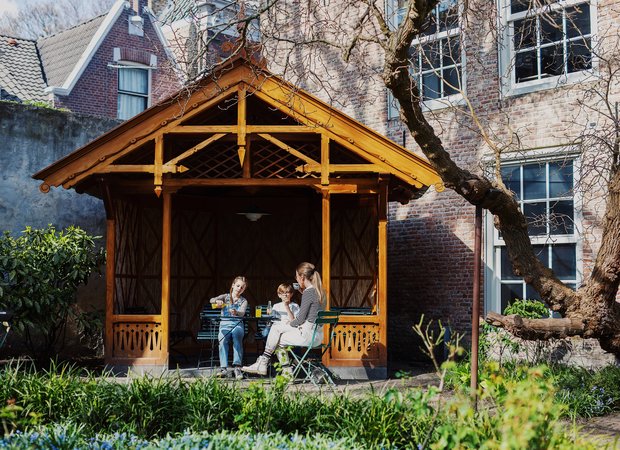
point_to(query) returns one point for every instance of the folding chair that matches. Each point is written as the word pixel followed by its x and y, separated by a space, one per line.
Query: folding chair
pixel 209 329
pixel 311 366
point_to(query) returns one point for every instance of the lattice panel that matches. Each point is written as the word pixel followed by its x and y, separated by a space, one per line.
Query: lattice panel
pixel 270 161
pixel 138 258
pixel 193 267
pixel 356 341
pixel 354 252
pixel 219 160
pixel 137 340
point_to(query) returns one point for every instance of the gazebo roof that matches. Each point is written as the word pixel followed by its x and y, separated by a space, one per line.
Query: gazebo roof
pixel 239 109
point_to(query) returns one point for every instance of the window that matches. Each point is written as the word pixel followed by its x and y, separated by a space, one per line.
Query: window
pixel 545 193
pixel 548 39
pixel 435 55
pixel 133 92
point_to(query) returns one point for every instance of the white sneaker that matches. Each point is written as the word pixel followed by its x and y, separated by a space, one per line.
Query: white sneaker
pixel 238 374
pixel 259 367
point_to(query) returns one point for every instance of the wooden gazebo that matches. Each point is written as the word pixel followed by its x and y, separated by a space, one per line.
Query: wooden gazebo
pixel 179 180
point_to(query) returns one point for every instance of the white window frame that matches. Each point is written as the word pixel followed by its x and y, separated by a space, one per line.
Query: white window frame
pixel 507 53
pixel 149 75
pixel 492 254
pixel 393 14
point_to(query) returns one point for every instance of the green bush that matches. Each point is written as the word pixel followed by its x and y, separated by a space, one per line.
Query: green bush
pixel 528 309
pixel 40 272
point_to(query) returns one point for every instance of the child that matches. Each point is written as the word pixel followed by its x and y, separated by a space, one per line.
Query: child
pixel 231 326
pixel 285 310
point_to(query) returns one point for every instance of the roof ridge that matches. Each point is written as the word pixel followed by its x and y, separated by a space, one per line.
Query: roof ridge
pixel 73 27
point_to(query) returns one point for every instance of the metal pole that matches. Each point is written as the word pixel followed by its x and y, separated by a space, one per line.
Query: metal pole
pixel 475 311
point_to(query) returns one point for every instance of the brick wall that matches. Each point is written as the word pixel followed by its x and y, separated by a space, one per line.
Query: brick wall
pixel 96 92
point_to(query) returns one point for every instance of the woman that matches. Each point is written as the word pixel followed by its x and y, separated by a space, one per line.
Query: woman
pixel 297 332
pixel 231 326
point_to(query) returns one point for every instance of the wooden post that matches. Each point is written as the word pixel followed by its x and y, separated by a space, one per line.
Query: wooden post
pixel 110 282
pixel 158 164
pixel 382 271
pixel 326 258
pixel 165 272
pixel 241 132
pixel 324 160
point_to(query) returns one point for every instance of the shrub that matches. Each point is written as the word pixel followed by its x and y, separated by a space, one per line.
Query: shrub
pixel 40 272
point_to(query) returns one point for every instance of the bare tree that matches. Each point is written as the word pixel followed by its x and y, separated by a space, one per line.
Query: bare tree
pixel 35 19
pixel 329 46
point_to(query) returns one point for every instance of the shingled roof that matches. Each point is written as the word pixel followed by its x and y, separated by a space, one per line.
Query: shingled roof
pixel 61 51
pixel 21 77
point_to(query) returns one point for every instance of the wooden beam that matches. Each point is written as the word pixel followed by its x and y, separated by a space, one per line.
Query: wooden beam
pixel 275 129
pixel 335 183
pixel 324 160
pixel 196 148
pixel 347 168
pixel 159 162
pixel 165 270
pixel 143 168
pixel 288 148
pixel 110 284
pixel 382 270
pixel 200 129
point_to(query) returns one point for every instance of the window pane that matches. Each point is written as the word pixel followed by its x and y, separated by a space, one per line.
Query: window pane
pixel 564 261
pixel 561 217
pixel 130 105
pixel 448 15
pixel 512 179
pixel 542 253
pixel 561 179
pixel 526 66
pixel 550 27
pixel 579 55
pixel 430 55
pixel 530 293
pixel 451 81
pixel 430 24
pixel 133 80
pixel 534 178
pixel 552 60
pixel 578 21
pixel 509 293
pixel 430 86
pixel 451 51
pixel 536 215
pixel 507 273
pixel 519 6
pixel 524 33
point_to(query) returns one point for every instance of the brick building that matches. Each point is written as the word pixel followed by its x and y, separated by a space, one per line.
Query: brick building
pixel 114 65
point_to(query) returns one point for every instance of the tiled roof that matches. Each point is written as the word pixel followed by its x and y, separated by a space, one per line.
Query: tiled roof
pixel 21 77
pixel 61 51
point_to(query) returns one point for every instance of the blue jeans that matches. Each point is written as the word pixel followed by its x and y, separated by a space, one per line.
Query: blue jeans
pixel 235 331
